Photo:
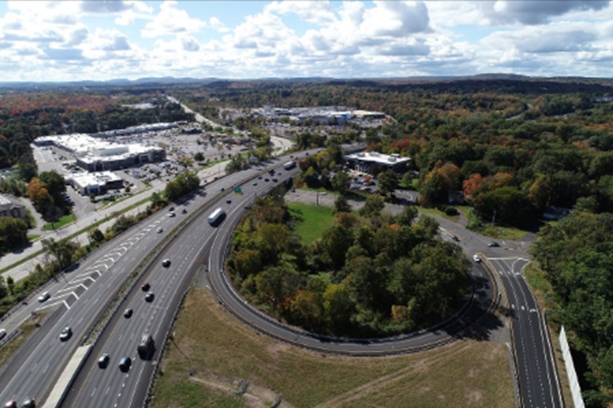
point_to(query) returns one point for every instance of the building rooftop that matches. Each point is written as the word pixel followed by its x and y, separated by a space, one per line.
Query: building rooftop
pixel 374 157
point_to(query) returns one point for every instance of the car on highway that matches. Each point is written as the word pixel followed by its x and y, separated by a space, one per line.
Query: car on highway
pixel 166 263
pixel 266 180
pixel 171 209
pixel 476 258
pixel 160 230
pixel 228 201
pixel 149 297
pixel 255 184
pixel 125 363
pixel 128 313
pixel 103 361
pixel 259 177
pixel 44 297
pixel 146 286
pixel 222 189
pixel 184 211
pixel 171 214
pixel 66 334
pixel 29 403
pixel 11 404
pixel 493 244
pixel 2 333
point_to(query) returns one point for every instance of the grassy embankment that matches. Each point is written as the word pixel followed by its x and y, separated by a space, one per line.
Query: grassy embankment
pixel 65 220
pixel 221 352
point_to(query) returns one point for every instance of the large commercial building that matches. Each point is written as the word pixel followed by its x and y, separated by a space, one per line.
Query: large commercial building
pixel 10 207
pixel 367 162
pixel 97 183
pixel 94 155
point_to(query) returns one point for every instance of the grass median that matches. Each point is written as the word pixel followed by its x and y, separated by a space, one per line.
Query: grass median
pixel 212 353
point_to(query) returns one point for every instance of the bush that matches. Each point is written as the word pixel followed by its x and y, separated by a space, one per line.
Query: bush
pixel 451 211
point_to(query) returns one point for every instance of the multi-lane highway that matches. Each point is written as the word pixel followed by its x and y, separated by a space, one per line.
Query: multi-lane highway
pixel 537 375
pixel 82 296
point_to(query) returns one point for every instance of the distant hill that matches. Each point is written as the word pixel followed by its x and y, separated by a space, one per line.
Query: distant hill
pixel 510 82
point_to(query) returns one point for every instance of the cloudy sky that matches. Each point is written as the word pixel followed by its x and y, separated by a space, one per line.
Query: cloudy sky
pixel 101 40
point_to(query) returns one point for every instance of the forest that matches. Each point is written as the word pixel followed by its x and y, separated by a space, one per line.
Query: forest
pixel 371 274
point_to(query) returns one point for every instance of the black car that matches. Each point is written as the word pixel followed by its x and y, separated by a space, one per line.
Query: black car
pixel 228 201
pixel 166 263
pixel 29 403
pixel 149 297
pixel 184 211
pixel 492 244
pixel 103 361
pixel 146 286
pixel 125 363
pixel 128 313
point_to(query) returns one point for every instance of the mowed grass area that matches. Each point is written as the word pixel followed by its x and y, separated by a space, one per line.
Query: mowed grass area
pixel 220 351
pixel 67 219
pixel 311 220
pixel 439 213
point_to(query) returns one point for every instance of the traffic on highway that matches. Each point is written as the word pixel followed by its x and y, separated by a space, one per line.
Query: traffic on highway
pixel 169 251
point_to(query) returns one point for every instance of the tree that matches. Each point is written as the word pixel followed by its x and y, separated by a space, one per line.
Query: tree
pixel 340 182
pixel 27 167
pixel 13 232
pixel 95 235
pixel 338 306
pixel 186 161
pixel 199 156
pixel 55 184
pixel 388 181
pixel 373 206
pixel 341 204
pixel 407 216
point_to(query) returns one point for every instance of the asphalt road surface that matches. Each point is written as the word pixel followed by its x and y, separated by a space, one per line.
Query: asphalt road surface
pixel 538 382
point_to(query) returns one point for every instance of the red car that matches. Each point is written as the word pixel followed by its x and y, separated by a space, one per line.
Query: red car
pixel 146 287
pixel 11 404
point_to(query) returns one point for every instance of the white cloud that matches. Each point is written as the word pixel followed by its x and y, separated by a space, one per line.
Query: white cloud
pixel 313 11
pixel 170 21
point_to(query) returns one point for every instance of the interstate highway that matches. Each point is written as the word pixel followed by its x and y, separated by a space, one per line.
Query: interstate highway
pixel 77 301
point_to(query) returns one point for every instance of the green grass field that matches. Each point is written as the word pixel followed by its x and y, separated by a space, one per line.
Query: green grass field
pixel 67 219
pixel 208 358
pixel 439 213
pixel 311 220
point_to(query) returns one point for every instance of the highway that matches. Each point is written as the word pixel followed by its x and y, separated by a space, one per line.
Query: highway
pixel 538 382
pixel 79 299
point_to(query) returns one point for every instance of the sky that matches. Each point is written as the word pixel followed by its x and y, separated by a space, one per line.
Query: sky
pixel 103 40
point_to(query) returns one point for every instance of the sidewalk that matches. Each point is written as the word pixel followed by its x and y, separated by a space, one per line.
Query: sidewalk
pixel 21 271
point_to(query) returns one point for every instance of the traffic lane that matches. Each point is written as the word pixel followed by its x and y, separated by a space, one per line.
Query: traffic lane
pixel 265 324
pixel 534 374
pixel 78 320
pixel 184 258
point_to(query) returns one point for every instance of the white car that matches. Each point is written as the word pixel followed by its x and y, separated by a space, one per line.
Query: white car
pixel 44 297
pixel 476 258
